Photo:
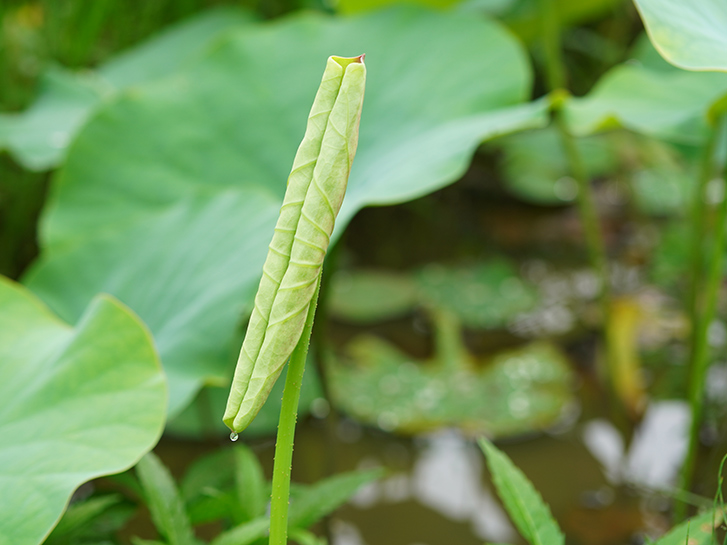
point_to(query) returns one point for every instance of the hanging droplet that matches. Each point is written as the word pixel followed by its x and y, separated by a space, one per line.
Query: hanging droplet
pixel 234 436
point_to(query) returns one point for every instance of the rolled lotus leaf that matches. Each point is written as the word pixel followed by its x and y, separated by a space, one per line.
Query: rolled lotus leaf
pixel 316 186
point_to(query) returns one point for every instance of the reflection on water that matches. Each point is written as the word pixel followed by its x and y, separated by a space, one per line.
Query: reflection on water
pixel 656 453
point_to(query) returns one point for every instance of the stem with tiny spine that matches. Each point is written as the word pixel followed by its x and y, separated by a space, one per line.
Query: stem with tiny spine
pixel 286 430
pixel 705 310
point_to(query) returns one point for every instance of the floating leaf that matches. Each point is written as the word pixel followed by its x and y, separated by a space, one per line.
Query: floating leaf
pixel 692 35
pixel 523 503
pixel 169 187
pixel 514 392
pixel 485 295
pixel 77 404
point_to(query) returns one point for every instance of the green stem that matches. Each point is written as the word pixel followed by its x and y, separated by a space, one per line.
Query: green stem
pixel 700 356
pixel 699 231
pixel 555 73
pixel 286 431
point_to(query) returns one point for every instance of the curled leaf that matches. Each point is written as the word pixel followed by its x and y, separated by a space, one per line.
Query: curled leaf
pixel 315 191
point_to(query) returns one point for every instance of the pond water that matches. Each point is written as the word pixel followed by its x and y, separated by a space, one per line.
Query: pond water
pixel 437 490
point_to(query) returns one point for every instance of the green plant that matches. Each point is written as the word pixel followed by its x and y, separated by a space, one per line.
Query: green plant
pixel 285 303
pixel 226 487
pixel 536 524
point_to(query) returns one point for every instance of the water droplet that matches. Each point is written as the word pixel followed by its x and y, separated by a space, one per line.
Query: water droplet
pixel 234 436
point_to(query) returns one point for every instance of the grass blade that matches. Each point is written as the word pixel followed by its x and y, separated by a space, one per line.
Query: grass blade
pixel 523 503
pixel 164 501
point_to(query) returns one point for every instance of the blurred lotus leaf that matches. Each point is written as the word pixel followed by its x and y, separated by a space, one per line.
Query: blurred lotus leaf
pixel 671 105
pixel 39 137
pixel 536 168
pixel 484 295
pixel 372 296
pixel 514 392
pixel 174 187
pixel 77 403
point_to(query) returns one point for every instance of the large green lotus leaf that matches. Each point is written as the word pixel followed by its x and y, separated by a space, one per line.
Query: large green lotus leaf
pixel 170 194
pixel 670 105
pixel 76 403
pixel 39 137
pixel 692 35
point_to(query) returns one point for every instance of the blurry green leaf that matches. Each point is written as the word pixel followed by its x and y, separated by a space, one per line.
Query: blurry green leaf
pixel 311 503
pixel 523 503
pixel 669 105
pixel 244 534
pixel 524 19
pixel 514 392
pixel 698 530
pixel 485 295
pixel 78 403
pixel 490 7
pixel 77 517
pixel 661 182
pixel 644 52
pixel 304 537
pixel 164 502
pixel 672 251
pixel 250 485
pixel 357 6
pixel 172 48
pixel 169 187
pixel 214 470
pixel 537 170
pixel 371 296
pixel 138 541
pixel 39 137
pixel 692 35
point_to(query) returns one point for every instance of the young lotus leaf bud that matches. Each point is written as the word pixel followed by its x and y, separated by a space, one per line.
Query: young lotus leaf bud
pixel 316 186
